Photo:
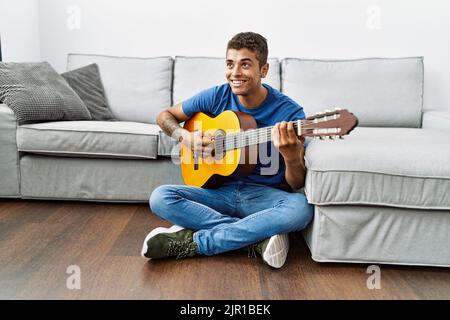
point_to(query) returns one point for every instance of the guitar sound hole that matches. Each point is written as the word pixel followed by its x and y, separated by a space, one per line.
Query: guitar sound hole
pixel 219 145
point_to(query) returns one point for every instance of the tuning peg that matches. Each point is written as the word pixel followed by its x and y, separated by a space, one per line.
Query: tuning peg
pixel 337 137
pixel 327 110
pixel 337 109
pixel 341 137
pixel 330 137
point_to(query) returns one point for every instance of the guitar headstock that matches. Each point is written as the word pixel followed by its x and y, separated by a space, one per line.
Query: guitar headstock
pixel 329 124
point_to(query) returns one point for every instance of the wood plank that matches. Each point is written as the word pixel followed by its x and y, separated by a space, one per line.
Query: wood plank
pixel 130 241
pixel 84 243
pixel 40 239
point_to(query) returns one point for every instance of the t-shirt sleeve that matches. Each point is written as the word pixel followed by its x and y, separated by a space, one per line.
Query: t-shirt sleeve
pixel 203 101
pixel 296 113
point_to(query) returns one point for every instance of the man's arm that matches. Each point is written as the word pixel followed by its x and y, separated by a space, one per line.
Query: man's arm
pixel 292 149
pixel 296 172
pixel 169 120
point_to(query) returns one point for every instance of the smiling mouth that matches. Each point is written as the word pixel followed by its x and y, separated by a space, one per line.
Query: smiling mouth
pixel 238 83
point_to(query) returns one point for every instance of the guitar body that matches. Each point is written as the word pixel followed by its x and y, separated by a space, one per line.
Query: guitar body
pixel 211 172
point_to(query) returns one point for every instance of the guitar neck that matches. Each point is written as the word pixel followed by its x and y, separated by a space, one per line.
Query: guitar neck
pixel 254 136
pixel 327 124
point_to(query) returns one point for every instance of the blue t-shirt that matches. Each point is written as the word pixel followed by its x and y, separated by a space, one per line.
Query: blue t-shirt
pixel 275 108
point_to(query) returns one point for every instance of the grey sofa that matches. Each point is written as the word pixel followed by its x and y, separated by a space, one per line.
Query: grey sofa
pixel 382 195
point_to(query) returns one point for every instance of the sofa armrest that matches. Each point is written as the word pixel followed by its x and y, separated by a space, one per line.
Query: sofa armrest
pixel 9 158
pixel 437 120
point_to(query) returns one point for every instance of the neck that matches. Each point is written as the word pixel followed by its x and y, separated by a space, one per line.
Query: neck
pixel 250 137
pixel 253 101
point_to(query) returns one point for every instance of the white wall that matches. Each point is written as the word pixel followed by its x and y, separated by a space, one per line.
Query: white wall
pixel 19 30
pixel 294 28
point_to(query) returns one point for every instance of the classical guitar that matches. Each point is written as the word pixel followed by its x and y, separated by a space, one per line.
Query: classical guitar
pixel 235 139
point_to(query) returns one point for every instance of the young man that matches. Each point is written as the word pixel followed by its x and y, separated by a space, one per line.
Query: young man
pixel 256 211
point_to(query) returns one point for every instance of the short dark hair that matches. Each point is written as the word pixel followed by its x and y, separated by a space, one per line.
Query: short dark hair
pixel 253 42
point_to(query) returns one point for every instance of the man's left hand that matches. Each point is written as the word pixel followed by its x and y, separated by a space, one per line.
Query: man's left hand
pixel 286 141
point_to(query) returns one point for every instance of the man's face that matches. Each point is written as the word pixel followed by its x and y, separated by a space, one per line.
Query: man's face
pixel 243 72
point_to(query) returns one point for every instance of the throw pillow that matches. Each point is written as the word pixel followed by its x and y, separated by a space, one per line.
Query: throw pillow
pixel 86 82
pixel 37 93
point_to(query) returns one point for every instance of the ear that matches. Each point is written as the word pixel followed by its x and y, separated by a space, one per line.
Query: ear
pixel 264 70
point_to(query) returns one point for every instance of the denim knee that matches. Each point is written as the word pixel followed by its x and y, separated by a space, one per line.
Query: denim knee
pixel 158 199
pixel 306 211
pixel 302 211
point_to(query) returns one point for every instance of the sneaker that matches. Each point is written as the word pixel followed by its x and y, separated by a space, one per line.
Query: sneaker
pixel 169 242
pixel 274 250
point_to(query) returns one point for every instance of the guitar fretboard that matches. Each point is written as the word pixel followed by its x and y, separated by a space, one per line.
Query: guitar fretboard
pixel 250 137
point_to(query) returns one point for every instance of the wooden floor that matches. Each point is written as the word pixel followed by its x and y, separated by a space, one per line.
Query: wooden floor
pixel 39 240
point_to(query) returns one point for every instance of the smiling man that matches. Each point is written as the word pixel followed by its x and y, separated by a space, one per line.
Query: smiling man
pixel 257 211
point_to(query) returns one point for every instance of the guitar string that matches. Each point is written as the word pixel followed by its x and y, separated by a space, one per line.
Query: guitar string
pixel 303 126
pixel 263 130
pixel 242 139
pixel 255 136
pixel 252 135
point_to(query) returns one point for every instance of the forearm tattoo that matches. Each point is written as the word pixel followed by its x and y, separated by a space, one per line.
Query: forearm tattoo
pixel 169 124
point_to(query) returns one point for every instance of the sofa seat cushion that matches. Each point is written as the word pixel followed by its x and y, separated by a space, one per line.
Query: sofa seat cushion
pixel 99 139
pixel 398 167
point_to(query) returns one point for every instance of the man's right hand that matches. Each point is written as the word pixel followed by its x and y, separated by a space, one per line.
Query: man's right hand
pixel 198 141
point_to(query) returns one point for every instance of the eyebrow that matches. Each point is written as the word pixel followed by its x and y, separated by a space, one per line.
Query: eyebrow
pixel 242 60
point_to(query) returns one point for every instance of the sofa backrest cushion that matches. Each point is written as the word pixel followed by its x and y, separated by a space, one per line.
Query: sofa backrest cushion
pixel 137 89
pixel 194 74
pixel 381 92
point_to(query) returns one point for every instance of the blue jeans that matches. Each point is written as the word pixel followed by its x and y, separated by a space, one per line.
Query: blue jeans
pixel 233 216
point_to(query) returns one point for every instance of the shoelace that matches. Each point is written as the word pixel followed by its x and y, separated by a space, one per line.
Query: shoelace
pixel 181 249
pixel 252 253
